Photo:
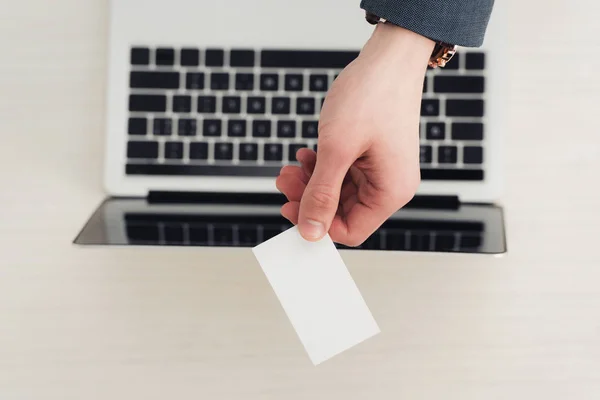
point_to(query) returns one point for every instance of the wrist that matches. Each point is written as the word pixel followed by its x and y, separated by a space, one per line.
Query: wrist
pixel 393 44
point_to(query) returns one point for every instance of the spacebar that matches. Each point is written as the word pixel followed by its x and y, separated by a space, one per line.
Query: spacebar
pixel 202 170
pixel 306 59
pixel 451 174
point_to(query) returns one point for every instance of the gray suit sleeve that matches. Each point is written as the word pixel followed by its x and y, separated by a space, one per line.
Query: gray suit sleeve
pixel 459 22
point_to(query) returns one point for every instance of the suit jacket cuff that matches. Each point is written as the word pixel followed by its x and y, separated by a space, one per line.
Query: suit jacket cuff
pixel 459 22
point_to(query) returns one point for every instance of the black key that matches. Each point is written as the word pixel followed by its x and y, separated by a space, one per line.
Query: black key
pixel 307 59
pixel 305 106
pixel 211 128
pixel 182 104
pixel 174 150
pixel 140 56
pixel 280 105
pixel 198 151
pixel 435 130
pixel 256 105
pixel 190 57
pixel 207 104
pixel 261 128
pixel 315 147
pixel 319 83
pixel 475 61
pixel 137 126
pixel 241 58
pixel 202 170
pixel 464 108
pixel 222 235
pixel 223 151
pixel 236 128
pixel 244 82
pixel 194 80
pixel 286 129
pixel 468 241
pixel 293 149
pixel 173 234
pixel 294 82
pixel 310 129
pixel 322 102
pixel 472 155
pixel 162 127
pixel 215 58
pixel 467 131
pixel 425 86
pixel 269 82
pixel 165 56
pixel 273 152
pixel 430 107
pixel 458 84
pixel 444 241
pixel 247 236
pixel 232 105
pixel 198 233
pixel 426 154
pixel 153 80
pixel 147 103
pixel 447 155
pixel 147 150
pixel 452 64
pixel 452 174
pixel 187 127
pixel 219 81
pixel 248 152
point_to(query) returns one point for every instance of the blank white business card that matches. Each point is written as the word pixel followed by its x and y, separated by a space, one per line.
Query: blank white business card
pixel 317 293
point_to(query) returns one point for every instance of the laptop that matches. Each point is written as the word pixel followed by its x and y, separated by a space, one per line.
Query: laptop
pixel 207 100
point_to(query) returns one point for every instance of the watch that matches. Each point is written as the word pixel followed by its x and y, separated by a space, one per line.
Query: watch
pixel 442 52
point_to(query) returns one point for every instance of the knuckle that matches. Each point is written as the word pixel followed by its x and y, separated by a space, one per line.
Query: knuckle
pixel 354 241
pixel 402 194
pixel 322 197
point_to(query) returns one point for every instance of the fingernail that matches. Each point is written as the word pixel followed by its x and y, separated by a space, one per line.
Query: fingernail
pixel 312 230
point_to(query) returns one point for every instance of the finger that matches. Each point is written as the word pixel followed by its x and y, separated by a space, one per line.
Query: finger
pixel 359 223
pixel 290 211
pixel 362 218
pixel 320 200
pixel 308 160
pixel 348 189
pixel 294 170
pixel 292 185
pixel 289 169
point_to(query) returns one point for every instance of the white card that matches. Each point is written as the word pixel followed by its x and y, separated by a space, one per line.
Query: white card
pixel 317 293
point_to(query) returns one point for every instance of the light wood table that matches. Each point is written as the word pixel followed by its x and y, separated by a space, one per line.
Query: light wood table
pixel 106 323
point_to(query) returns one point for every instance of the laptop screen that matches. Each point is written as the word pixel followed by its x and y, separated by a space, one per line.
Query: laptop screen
pixel 137 222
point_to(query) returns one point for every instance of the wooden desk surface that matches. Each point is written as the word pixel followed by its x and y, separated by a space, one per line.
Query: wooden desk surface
pixel 80 323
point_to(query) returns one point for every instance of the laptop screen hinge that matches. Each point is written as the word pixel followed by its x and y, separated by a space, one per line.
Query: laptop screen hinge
pixel 165 197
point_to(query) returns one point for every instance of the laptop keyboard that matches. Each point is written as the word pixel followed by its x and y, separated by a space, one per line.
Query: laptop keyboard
pixel 245 113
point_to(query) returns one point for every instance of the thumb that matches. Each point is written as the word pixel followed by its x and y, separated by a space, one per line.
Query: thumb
pixel 321 198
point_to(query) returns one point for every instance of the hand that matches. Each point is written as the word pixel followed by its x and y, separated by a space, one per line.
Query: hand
pixel 367 166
